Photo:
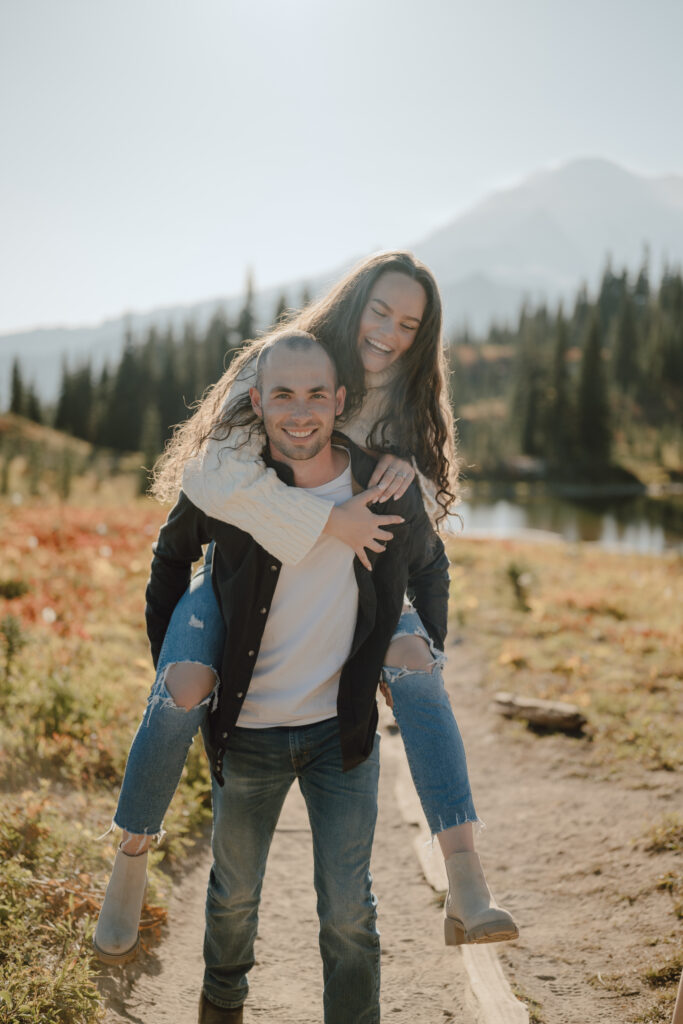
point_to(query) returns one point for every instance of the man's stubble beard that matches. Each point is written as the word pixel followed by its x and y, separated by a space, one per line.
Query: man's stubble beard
pixel 299 453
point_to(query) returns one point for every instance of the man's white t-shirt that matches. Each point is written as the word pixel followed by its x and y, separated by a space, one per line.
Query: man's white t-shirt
pixel 309 632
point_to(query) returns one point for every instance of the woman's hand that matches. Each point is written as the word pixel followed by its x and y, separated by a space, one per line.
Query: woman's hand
pixel 386 693
pixel 393 475
pixel 354 524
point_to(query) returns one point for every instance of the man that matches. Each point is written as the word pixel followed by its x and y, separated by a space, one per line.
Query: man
pixel 305 648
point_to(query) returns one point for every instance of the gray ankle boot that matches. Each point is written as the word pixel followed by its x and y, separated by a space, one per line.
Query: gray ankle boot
pixel 116 937
pixel 471 913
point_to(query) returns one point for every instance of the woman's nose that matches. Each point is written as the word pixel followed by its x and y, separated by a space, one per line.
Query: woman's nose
pixel 388 328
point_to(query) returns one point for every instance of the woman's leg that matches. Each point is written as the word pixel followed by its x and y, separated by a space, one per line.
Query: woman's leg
pixel 412 681
pixel 187 675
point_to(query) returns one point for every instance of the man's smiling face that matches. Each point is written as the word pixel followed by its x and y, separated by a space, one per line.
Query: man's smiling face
pixel 298 400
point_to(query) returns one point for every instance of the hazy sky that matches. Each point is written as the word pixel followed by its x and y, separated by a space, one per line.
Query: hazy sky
pixel 152 149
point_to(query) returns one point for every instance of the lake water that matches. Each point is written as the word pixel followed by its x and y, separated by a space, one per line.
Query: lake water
pixel 631 524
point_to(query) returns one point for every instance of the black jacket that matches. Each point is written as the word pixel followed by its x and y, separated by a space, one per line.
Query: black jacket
pixel 245 575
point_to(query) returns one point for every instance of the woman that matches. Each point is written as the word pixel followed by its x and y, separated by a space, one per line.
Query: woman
pixel 382 324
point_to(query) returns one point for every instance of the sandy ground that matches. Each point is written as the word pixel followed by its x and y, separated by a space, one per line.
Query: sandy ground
pixel 563 850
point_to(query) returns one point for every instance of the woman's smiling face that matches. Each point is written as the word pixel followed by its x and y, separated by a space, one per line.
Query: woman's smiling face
pixel 390 320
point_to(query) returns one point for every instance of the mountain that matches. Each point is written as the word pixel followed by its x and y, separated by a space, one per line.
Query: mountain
pixel 537 240
pixel 555 230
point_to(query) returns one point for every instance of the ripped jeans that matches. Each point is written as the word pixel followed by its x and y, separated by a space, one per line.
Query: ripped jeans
pixel 160 747
pixel 196 633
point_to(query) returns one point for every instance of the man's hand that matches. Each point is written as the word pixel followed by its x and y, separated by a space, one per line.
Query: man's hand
pixel 393 475
pixel 354 524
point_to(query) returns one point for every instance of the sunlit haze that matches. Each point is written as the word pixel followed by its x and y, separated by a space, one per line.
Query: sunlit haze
pixel 153 151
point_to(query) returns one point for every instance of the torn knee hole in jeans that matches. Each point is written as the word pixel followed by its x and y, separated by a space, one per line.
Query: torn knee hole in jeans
pixel 399 671
pixel 161 698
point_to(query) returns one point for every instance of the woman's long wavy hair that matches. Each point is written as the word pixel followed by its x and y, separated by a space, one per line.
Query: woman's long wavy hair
pixel 418 419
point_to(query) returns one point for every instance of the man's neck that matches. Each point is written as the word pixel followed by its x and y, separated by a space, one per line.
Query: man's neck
pixel 327 465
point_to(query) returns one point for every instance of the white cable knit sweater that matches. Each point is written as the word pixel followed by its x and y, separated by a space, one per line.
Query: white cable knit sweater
pixel 231 483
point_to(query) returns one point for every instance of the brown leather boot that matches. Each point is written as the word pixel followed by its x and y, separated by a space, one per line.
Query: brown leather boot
pixel 209 1013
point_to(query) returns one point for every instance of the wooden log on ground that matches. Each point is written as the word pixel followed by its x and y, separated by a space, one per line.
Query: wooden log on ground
pixel 547 714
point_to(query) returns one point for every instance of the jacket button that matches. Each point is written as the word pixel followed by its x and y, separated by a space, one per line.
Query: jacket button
pixel 251 654
pixel 239 695
pixel 225 735
pixel 263 611
pixel 273 568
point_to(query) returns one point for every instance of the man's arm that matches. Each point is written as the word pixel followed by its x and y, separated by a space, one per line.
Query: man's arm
pixel 428 580
pixel 178 545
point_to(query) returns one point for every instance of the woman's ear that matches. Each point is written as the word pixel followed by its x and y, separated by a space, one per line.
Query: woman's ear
pixel 255 396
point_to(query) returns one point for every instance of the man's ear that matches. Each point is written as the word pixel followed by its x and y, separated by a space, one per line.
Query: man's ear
pixel 340 398
pixel 255 396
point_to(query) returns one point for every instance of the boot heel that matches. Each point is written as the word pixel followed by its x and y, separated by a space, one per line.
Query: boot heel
pixel 453 932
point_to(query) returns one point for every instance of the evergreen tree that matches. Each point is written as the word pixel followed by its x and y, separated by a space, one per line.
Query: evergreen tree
pixel 593 429
pixel 80 403
pixel 581 316
pixel 670 303
pixel 100 410
pixel 63 402
pixel 216 346
pixel 170 402
pixel 525 405
pixel 151 443
pixel 625 350
pixel 281 309
pixel 17 396
pixel 191 366
pixel 127 403
pixel 531 416
pixel 612 291
pixel 246 323
pixel 149 358
pixel 559 427
pixel 641 295
pixel 33 409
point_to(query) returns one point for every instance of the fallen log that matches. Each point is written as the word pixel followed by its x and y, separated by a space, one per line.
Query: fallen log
pixel 547 714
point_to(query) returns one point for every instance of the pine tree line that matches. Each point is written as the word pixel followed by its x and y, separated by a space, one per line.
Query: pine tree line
pixel 23 398
pixel 570 385
pixel 134 405
pixel 560 387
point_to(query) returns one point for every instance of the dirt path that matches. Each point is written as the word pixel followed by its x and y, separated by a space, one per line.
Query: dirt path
pixel 564 850
pixel 422 981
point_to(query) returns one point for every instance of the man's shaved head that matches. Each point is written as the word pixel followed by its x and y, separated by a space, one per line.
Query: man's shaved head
pixel 300 341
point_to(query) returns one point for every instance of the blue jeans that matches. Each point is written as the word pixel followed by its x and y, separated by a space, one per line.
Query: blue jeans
pixel 161 744
pixel 260 766
pixel 432 740
pixel 196 632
